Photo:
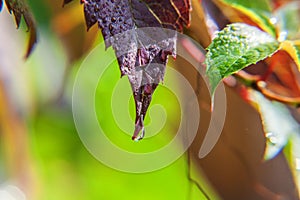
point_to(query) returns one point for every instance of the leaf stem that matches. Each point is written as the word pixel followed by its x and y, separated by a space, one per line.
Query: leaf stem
pixel 255 82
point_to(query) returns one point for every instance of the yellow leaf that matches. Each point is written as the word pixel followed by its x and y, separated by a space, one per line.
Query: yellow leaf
pixel 293 49
pixel 237 12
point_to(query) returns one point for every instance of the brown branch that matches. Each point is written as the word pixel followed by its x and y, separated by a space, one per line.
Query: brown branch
pixel 191 179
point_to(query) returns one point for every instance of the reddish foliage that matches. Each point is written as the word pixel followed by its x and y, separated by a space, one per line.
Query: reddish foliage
pixel 142 53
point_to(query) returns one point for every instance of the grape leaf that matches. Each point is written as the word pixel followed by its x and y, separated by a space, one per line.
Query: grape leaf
pixel 20 8
pixel 234 48
pixel 142 53
pixel 277 121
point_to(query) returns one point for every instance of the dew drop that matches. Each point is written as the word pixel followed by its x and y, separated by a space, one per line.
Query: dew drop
pixel 139 131
pixel 273 20
pixel 282 36
pixel 110 27
pixel 262 84
pixel 271 138
pixel 297 164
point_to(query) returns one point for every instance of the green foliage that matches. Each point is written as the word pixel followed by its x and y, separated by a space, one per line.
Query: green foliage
pixel 288 20
pixel 65 169
pixel 236 47
pixel 297 48
pixel 292 48
pixel 258 5
pixel 258 10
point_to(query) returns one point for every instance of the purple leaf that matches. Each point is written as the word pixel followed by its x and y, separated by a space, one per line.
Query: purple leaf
pixel 19 8
pixel 142 52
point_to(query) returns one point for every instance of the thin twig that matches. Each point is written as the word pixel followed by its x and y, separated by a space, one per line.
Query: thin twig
pixel 191 179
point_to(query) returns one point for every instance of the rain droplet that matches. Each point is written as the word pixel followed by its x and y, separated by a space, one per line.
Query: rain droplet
pixel 282 36
pixel 271 138
pixel 139 131
pixel 273 20
pixel 297 165
pixel 263 84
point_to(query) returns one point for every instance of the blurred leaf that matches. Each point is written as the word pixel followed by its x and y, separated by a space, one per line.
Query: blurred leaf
pixel 42 11
pixel 257 5
pixel 257 10
pixel 236 47
pixel 276 4
pixel 199 29
pixel 292 154
pixel 20 8
pixel 283 76
pixel 277 121
pixel 295 157
pixel 142 55
pixel 69 25
pixel 67 1
pixel 288 21
pixel 292 48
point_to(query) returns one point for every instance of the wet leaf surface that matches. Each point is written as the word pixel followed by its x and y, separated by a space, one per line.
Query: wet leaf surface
pixel 236 47
pixel 142 52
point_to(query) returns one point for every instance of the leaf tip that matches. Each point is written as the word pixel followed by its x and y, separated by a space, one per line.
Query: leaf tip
pixel 139 131
pixel 32 42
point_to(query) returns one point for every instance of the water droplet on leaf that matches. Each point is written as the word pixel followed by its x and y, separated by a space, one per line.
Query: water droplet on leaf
pixel 271 138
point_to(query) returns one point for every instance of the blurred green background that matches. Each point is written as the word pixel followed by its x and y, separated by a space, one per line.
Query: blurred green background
pixel 43 157
pixel 41 152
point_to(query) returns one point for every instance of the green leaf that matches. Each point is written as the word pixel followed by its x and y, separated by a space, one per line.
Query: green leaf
pixel 234 48
pixel 288 21
pixel 261 5
pixel 257 10
pixel 277 121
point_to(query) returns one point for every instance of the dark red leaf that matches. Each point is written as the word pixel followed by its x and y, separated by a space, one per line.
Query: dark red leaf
pixel 19 8
pixel 142 53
